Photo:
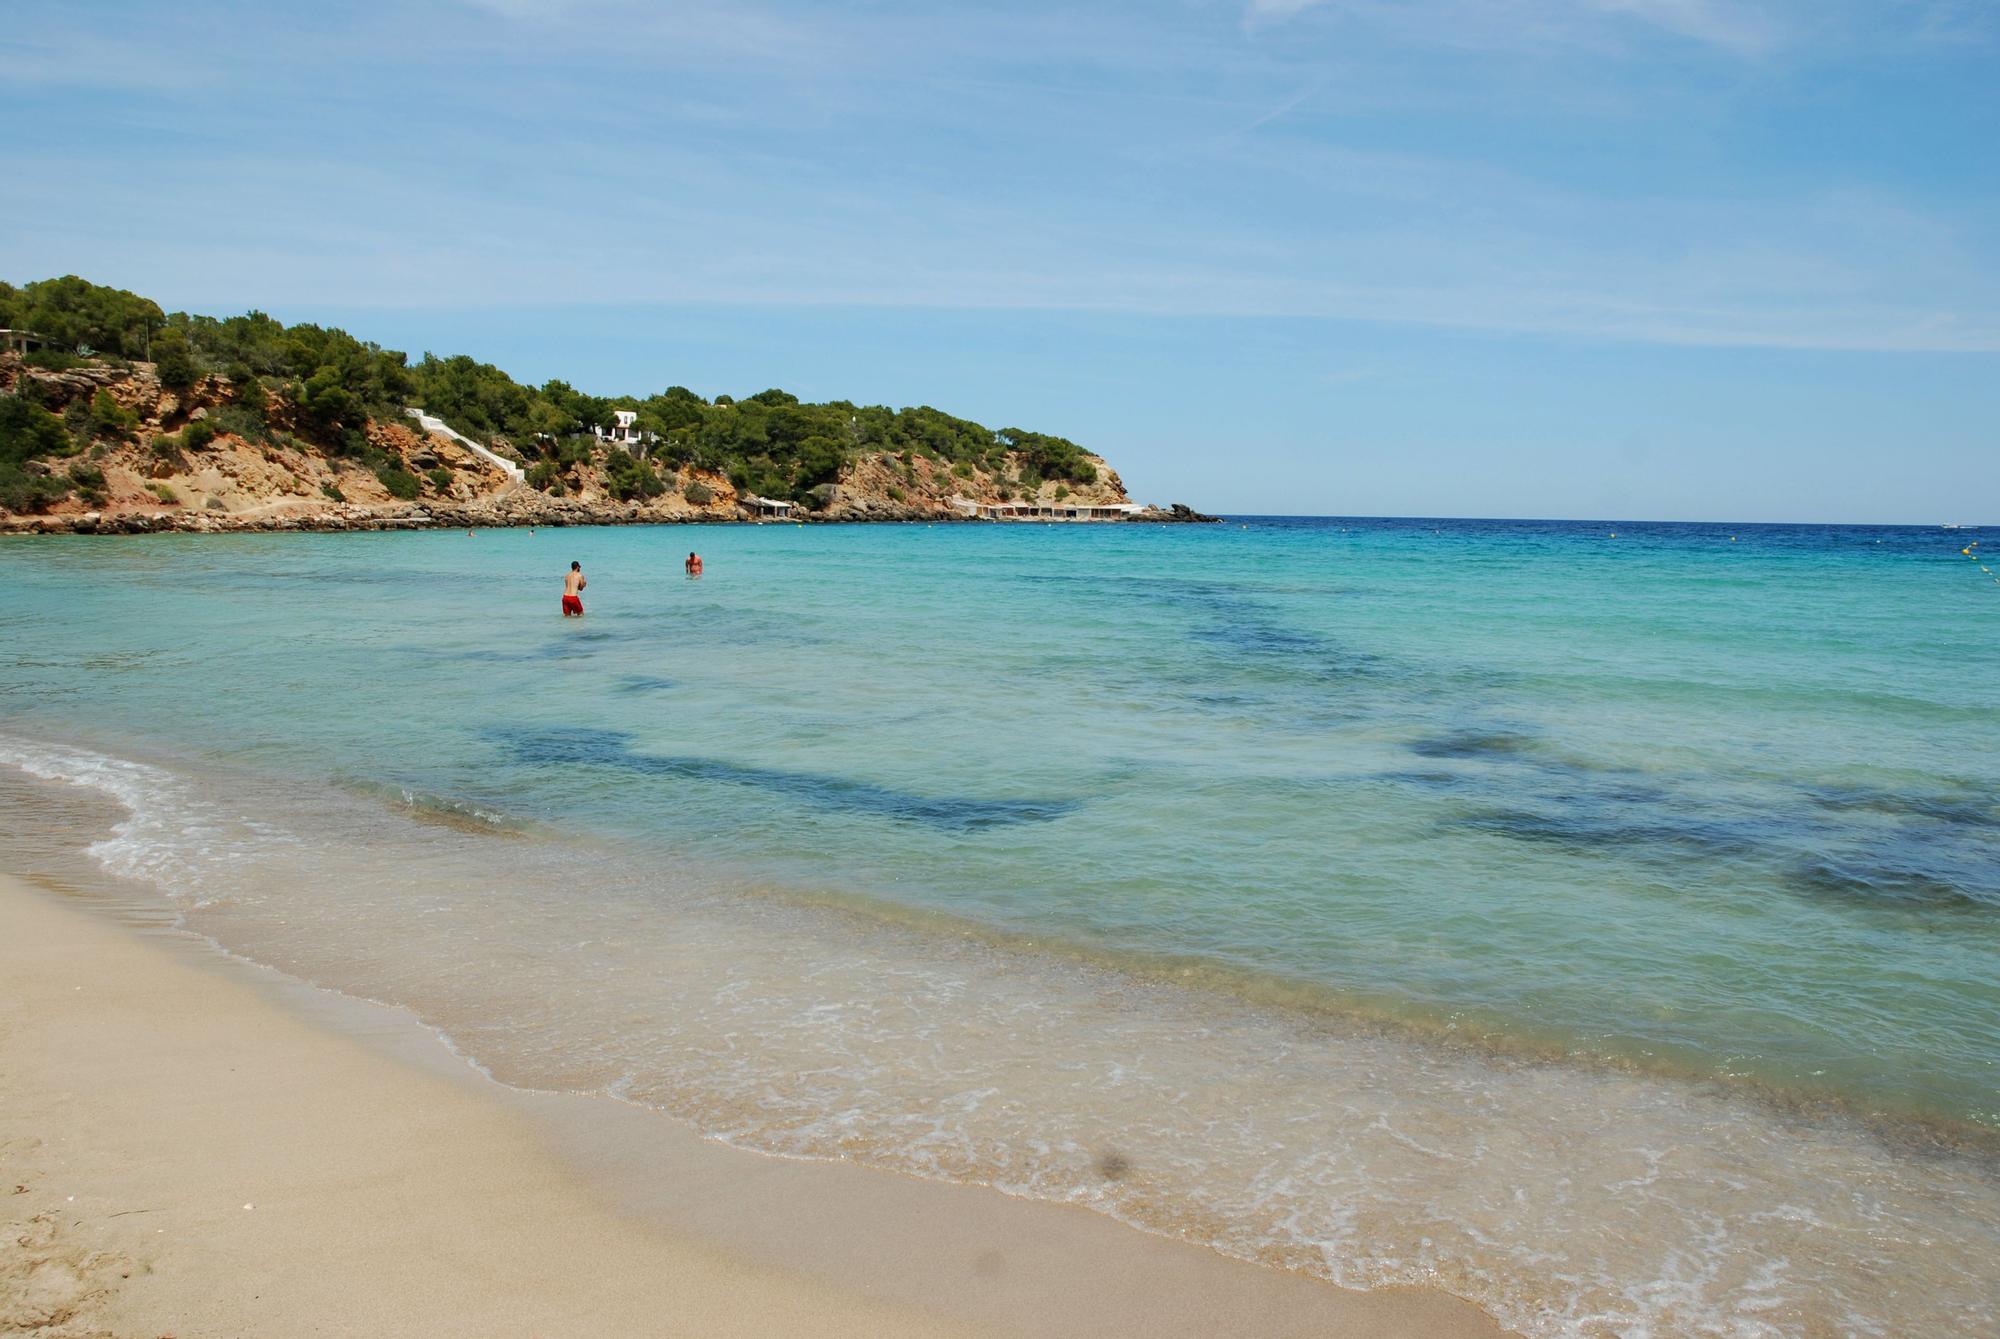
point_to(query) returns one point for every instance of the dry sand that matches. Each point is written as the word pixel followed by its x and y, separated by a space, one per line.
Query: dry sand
pixel 192 1146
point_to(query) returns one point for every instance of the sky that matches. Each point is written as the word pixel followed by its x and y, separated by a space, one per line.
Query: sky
pixel 1627 259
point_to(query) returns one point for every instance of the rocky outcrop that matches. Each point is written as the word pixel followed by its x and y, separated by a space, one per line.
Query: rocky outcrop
pixel 881 487
pixel 203 460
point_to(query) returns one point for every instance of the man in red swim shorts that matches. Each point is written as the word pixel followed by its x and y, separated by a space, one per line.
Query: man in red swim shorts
pixel 573 585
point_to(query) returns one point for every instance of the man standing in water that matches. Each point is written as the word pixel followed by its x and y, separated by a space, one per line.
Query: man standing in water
pixel 693 564
pixel 573 585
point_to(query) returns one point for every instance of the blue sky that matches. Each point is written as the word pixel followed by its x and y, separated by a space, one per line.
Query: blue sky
pixel 1615 258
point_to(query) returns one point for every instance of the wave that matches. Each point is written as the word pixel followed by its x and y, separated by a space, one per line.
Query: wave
pixel 1567 1198
pixel 444 810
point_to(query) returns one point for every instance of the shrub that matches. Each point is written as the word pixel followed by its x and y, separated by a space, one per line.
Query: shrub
pixel 543 473
pixel 21 491
pixel 108 418
pixel 333 491
pixel 250 393
pixel 166 495
pixel 88 481
pixel 198 434
pixel 628 477
pixel 897 495
pixel 49 360
pixel 29 432
pixel 698 493
pixel 245 423
pixel 440 479
pixel 173 360
pixel 400 482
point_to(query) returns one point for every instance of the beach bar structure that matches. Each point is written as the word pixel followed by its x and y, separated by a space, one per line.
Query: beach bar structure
pixel 766 506
pixel 21 341
pixel 1057 511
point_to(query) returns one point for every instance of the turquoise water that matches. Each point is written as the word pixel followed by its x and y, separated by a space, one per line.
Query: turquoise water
pixel 1705 808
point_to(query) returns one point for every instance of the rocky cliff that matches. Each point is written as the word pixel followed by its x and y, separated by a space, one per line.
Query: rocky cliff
pixel 217 456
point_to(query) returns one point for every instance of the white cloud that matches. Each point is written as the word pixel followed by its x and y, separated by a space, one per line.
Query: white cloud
pixel 1280 9
pixel 1735 26
pixel 988 167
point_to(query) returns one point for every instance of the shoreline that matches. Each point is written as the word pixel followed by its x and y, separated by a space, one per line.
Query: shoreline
pixel 667 769
pixel 553 516
pixel 156 1085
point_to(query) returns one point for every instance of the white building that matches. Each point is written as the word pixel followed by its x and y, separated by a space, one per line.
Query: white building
pixel 766 506
pixel 623 433
pixel 1059 511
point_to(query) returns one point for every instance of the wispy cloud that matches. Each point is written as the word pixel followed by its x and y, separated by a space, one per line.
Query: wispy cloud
pixel 1728 24
pixel 1058 162
pixel 1735 26
pixel 1280 9
pixel 92 60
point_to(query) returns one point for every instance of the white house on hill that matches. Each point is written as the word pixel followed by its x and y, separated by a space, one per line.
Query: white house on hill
pixel 623 433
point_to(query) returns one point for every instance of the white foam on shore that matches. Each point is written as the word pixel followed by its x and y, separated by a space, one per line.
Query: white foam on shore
pixel 167 837
pixel 1568 1200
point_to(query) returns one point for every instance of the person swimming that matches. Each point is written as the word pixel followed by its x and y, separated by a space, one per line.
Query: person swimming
pixel 573 585
pixel 693 565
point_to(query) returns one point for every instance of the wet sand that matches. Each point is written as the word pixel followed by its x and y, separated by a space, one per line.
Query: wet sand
pixel 195 1146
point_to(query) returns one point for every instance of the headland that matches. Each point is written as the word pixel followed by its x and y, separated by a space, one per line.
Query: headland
pixel 118 418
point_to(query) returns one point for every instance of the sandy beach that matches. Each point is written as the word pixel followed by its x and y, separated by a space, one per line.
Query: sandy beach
pixel 195 1146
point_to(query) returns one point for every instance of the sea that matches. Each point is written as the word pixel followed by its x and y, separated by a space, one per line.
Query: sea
pixel 1599 920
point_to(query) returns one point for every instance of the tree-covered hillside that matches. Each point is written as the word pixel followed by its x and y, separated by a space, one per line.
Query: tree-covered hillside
pixel 769 443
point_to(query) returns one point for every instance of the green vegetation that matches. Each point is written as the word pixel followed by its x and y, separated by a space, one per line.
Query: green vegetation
pixel 333 491
pixel 173 360
pixel 30 432
pixel 165 494
pixel 110 419
pixel 630 478
pixel 234 418
pixel 400 482
pixel 698 493
pixel 440 479
pixel 78 315
pixel 198 434
pixel 770 443
pixel 89 482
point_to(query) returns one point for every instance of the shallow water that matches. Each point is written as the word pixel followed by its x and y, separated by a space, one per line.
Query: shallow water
pixel 1602 927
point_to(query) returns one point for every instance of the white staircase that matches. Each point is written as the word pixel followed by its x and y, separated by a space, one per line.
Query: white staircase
pixel 438 427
